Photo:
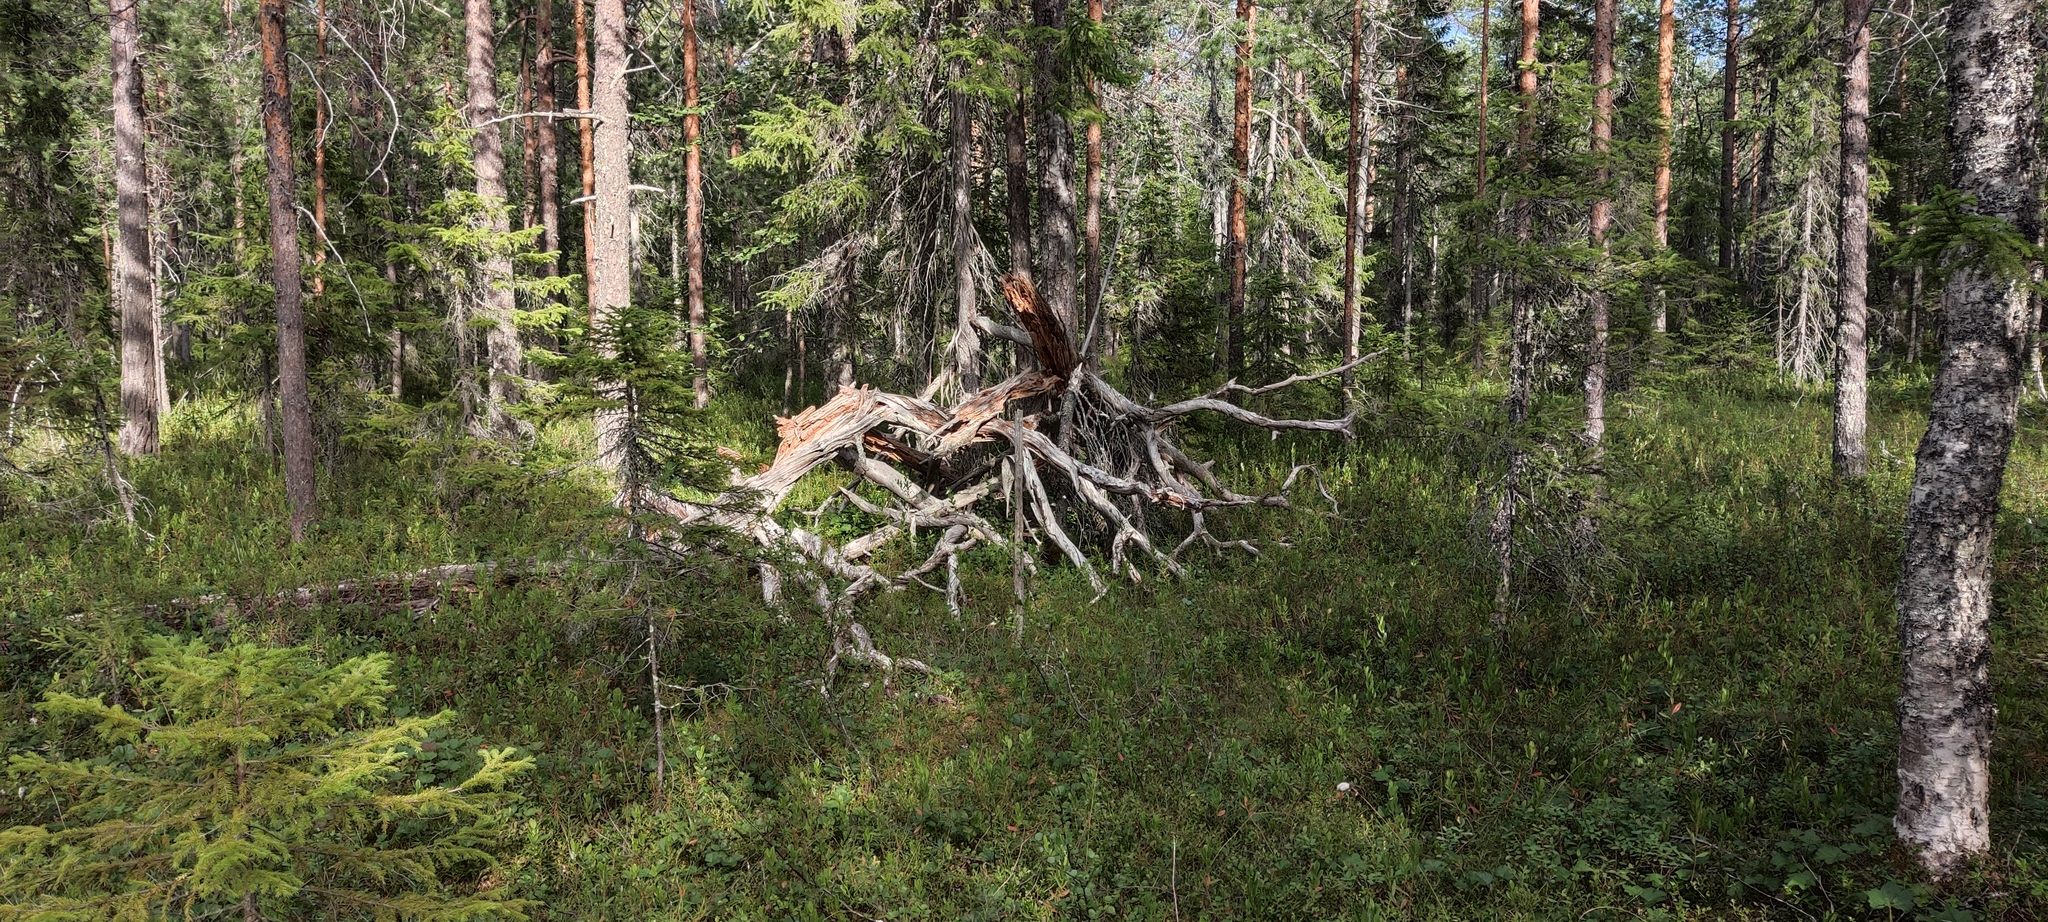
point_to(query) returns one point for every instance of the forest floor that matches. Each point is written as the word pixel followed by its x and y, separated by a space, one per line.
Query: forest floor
pixel 1693 721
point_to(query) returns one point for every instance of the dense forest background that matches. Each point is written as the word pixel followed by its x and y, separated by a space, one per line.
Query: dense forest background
pixel 783 459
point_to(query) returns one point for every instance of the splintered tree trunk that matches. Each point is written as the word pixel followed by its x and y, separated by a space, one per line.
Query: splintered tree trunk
pixel 1480 270
pixel 693 210
pixel 494 277
pixel 610 157
pixel 1852 359
pixel 586 133
pixel 1603 139
pixel 1057 280
pixel 141 352
pixel 281 186
pixel 960 160
pixel 1944 594
pixel 1353 152
pixel 1522 328
pixel 1667 46
pixel 1730 83
pixel 1240 177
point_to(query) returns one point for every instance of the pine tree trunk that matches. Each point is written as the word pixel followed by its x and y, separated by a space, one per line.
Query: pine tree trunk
pixel 1017 185
pixel 609 157
pixel 1057 276
pixel 281 188
pixel 693 211
pixel 1852 284
pixel 1091 281
pixel 1944 594
pixel 586 130
pixel 319 282
pixel 1730 77
pixel 547 157
pixel 1354 152
pixel 1479 294
pixel 1667 46
pixel 1240 177
pixel 141 351
pixel 1522 329
pixel 960 161
pixel 1602 211
pixel 494 303
pixel 1400 226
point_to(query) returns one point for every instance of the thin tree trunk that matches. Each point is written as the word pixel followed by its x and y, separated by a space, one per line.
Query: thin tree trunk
pixel 1354 151
pixel 281 187
pixel 587 137
pixel 1479 294
pixel 1241 164
pixel 1522 327
pixel 320 155
pixel 1667 46
pixel 547 157
pixel 1852 284
pixel 693 211
pixel 141 350
pixel 1731 75
pixel 1603 207
pixel 609 159
pixel 960 157
pixel 1400 227
pixel 1017 185
pixel 494 303
pixel 1944 594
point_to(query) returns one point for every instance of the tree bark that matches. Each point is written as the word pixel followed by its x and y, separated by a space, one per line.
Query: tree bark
pixel 494 268
pixel 1057 281
pixel 141 351
pixel 693 211
pixel 1401 226
pixel 1730 77
pixel 609 157
pixel 1092 281
pixel 1017 185
pixel 1944 594
pixel 1354 151
pixel 1522 328
pixel 1481 272
pixel 586 132
pixel 960 160
pixel 1241 165
pixel 546 156
pixel 1602 211
pixel 1852 286
pixel 281 188
pixel 319 154
pixel 1667 46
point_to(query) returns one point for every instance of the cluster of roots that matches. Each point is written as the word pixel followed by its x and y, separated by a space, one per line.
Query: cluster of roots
pixel 1077 460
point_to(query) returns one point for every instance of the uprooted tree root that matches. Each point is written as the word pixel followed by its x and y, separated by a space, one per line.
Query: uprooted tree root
pixel 1092 449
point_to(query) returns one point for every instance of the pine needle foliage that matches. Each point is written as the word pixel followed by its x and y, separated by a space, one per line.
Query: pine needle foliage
pixel 251 781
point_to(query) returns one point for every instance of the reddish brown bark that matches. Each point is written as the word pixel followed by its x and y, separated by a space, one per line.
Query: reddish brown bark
pixel 693 210
pixel 281 187
pixel 1241 165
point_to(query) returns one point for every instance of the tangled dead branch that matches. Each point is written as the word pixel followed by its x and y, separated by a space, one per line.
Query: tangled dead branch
pixel 1102 466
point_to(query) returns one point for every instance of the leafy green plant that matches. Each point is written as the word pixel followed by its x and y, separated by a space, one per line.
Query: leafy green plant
pixel 252 778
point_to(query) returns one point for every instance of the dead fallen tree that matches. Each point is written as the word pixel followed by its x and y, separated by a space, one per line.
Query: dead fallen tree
pixel 419 590
pixel 1102 469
